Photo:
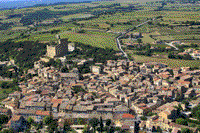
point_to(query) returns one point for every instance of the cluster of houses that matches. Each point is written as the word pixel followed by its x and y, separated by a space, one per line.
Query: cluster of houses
pixel 194 53
pixel 118 90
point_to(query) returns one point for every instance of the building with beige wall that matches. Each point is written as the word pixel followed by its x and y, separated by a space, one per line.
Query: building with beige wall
pixel 61 49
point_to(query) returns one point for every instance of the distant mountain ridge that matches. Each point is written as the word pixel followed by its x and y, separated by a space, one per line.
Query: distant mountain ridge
pixel 30 3
pixel 25 3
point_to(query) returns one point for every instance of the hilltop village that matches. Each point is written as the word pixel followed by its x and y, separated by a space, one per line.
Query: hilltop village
pixel 121 95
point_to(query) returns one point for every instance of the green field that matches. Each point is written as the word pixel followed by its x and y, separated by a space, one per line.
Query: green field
pixel 173 63
pixel 19 28
pixel 68 17
pixel 96 39
pixel 147 39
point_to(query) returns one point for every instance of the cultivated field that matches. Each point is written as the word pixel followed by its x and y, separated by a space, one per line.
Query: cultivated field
pixel 173 63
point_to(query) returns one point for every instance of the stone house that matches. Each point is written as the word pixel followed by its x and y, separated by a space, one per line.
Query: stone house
pixel 168 115
pixel 17 122
pixel 34 105
pixel 195 82
pixel 15 94
pixel 190 93
pixel 7 112
pixel 25 113
pixel 39 115
pixel 59 50
pixel 69 76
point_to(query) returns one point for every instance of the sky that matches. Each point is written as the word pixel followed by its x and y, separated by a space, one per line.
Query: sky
pixel 22 3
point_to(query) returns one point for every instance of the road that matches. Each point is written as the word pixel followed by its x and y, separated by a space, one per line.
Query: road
pixel 170 44
pixel 123 33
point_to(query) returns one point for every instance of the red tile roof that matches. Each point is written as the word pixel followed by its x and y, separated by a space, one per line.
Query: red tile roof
pixel 16 118
pixel 39 112
pixel 184 82
pixel 56 100
pixel 128 116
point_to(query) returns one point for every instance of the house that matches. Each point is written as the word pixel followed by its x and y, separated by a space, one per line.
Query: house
pixel 115 101
pixel 136 35
pixel 97 69
pixel 169 114
pixel 63 107
pixel 80 109
pixel 15 94
pixel 179 127
pixel 56 104
pixel 195 82
pixel 34 105
pixel 187 84
pixel 69 76
pixel 183 69
pixel 128 117
pixel 157 81
pixel 165 83
pixel 55 107
pixel 17 122
pixel 176 42
pixel 186 78
pixel 25 113
pixel 165 106
pixel 175 130
pixel 104 110
pixel 190 93
pixel 196 54
pixel 189 50
pixel 121 109
pixel 7 112
pixel 39 115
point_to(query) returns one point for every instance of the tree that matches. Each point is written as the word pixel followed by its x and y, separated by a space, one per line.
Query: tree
pixel 159 129
pixel 186 102
pixel 85 130
pixel 181 121
pixel 139 40
pixel 101 125
pixel 81 31
pixel 30 121
pixel 198 115
pixel 154 129
pixel 194 110
pixel 150 114
pixel 64 70
pixel 185 130
pixel 53 126
pixel 179 109
pixel 58 63
pixel 80 121
pixel 3 119
pixel 4 85
pixel 143 118
pixel 10 130
pixel 67 126
pixel 108 122
pixel 94 122
pixel 39 126
pixel 48 120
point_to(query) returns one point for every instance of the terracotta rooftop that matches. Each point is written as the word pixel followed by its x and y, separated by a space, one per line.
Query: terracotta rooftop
pixel 56 100
pixel 39 112
pixel 16 118
pixel 128 116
